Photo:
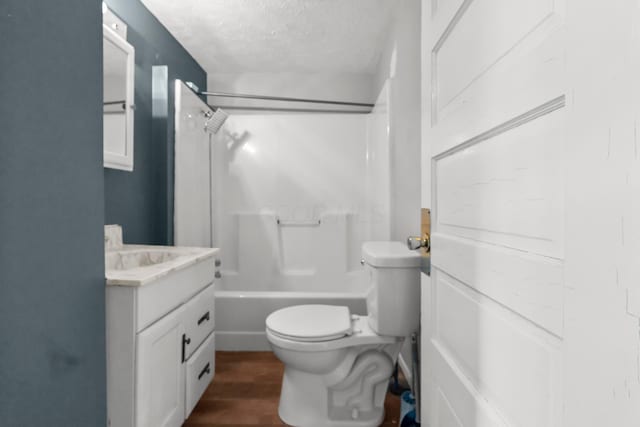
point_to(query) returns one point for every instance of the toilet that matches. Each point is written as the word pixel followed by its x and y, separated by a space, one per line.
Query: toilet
pixel 337 364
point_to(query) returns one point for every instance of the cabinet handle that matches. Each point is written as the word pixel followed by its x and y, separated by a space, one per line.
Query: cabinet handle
pixel 204 318
pixel 185 342
pixel 206 370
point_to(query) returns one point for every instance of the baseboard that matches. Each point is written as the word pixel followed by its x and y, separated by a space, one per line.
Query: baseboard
pixel 242 341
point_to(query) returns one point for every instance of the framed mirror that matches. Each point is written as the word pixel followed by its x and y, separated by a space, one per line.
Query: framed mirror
pixel 118 105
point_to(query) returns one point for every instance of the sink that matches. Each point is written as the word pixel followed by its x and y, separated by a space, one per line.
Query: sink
pixel 137 265
pixel 136 258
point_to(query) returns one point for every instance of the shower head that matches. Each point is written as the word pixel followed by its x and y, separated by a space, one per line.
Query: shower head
pixel 215 120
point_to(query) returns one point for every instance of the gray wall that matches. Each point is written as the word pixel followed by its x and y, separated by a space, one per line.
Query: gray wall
pixel 52 326
pixel 142 200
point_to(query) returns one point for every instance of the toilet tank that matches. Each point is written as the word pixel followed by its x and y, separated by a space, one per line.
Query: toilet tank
pixel 393 301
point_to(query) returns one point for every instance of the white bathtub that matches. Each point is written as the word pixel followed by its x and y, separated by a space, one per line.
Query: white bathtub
pixel 240 315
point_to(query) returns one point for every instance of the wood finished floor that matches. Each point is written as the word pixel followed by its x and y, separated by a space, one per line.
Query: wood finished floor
pixel 245 392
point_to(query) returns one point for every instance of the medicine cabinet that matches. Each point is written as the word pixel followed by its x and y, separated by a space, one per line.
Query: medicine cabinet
pixel 118 104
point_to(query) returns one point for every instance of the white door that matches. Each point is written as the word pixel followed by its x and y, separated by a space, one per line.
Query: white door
pixel 160 373
pixel 531 118
pixel 493 324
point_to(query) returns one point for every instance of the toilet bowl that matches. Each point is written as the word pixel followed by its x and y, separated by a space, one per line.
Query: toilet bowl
pixel 337 381
pixel 337 365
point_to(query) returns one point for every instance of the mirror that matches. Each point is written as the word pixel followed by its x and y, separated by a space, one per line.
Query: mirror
pixel 118 60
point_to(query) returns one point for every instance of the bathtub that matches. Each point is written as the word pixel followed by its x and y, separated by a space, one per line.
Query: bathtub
pixel 240 314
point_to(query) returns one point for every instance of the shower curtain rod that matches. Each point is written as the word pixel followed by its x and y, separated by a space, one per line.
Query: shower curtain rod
pixel 281 98
pixel 288 110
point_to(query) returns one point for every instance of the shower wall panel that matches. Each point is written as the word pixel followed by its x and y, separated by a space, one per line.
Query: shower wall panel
pixel 293 199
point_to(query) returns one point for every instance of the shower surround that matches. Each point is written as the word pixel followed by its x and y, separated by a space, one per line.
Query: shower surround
pixel 294 196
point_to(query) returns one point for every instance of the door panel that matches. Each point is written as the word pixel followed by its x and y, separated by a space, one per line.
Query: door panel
pixel 518 76
pixel 455 397
pixel 527 284
pixel 496 88
pixel 511 364
pixel 504 189
pixel 485 31
pixel 447 417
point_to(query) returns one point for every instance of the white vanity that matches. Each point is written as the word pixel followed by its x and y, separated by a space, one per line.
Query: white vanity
pixel 160 331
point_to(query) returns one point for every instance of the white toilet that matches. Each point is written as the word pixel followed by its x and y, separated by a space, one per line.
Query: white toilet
pixel 337 365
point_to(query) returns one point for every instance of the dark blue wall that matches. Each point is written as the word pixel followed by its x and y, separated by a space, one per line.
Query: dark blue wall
pixel 142 200
pixel 52 324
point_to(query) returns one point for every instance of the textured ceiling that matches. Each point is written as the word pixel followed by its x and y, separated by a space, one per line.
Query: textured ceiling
pixel 234 36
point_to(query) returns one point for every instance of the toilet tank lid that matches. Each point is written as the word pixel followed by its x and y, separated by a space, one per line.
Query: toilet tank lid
pixel 311 322
pixel 390 254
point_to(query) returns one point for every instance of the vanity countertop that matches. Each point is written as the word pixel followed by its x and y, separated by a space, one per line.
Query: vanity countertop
pixel 138 265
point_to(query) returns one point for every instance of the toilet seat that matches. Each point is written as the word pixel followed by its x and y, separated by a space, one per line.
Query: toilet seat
pixel 311 323
pixel 362 334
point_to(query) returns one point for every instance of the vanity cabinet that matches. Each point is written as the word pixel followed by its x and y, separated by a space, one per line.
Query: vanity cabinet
pixel 160 347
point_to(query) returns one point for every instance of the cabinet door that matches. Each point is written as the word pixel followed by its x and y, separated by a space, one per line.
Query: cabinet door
pixel 160 373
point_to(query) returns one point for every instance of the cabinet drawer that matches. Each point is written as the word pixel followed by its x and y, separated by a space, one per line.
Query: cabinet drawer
pixel 199 373
pixel 198 319
pixel 156 299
